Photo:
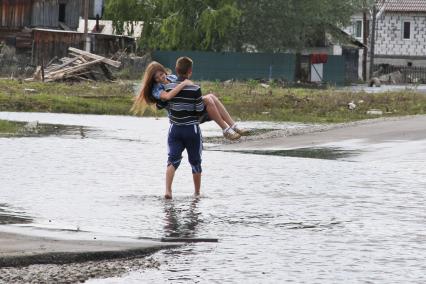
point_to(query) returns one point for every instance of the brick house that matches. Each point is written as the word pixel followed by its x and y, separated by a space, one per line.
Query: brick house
pixel 400 33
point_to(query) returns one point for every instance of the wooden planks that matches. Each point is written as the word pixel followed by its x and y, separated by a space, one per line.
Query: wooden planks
pixel 113 63
pixel 80 66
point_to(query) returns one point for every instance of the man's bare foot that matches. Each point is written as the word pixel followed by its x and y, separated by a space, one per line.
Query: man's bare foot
pixel 197 194
pixel 168 195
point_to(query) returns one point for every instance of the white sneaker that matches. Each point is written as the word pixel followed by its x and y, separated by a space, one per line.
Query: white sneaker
pixel 230 134
pixel 241 131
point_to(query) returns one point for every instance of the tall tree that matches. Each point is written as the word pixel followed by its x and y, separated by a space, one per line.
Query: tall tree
pixel 276 25
pixel 282 25
pixel 188 25
pixel 217 25
pixel 124 14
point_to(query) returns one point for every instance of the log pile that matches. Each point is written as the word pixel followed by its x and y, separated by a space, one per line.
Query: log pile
pixel 78 66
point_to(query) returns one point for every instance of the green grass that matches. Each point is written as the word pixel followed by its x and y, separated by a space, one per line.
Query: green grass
pixel 85 98
pixel 7 127
pixel 245 101
pixel 254 102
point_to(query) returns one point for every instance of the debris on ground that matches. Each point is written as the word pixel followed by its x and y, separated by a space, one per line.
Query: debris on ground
pixel 375 82
pixel 375 112
pixel 79 66
pixel 28 90
pixel 352 105
pixel 392 78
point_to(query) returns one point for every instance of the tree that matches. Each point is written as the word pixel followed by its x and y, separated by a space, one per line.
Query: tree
pixel 177 24
pixel 277 25
pixel 190 25
pixel 218 25
pixel 124 14
pixel 282 25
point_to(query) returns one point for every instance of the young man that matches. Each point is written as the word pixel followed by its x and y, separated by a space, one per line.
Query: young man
pixel 184 110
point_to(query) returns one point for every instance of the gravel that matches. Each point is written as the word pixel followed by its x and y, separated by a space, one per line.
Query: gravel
pixel 74 273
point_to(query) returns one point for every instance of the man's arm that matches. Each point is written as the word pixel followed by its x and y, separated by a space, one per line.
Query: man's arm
pixel 199 104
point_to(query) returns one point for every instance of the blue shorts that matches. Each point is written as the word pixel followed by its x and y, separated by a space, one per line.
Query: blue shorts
pixel 185 137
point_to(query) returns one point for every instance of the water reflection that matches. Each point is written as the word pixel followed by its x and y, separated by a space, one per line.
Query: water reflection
pixel 9 216
pixel 181 219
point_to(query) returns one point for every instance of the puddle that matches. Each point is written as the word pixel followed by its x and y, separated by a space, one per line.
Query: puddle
pixel 311 153
pixel 35 129
pixel 278 219
pixel 9 216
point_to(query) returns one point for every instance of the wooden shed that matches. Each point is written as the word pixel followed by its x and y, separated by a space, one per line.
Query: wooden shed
pixel 50 13
pixel 44 29
pixel 15 13
pixel 48 44
pixel 42 13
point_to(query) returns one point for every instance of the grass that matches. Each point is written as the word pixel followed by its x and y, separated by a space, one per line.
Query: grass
pixel 8 127
pixel 85 98
pixel 245 101
pixel 254 102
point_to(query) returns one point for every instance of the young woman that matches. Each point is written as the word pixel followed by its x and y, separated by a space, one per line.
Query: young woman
pixel 153 92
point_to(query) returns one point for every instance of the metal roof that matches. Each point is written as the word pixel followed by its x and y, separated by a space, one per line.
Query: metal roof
pixel 403 5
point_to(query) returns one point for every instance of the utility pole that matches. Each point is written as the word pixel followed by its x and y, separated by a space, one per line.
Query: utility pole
pixel 366 28
pixel 86 26
pixel 373 40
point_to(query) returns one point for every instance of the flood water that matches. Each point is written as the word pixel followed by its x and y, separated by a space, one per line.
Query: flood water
pixel 296 218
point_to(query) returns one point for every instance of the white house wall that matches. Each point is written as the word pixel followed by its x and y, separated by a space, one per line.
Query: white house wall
pixel 389 37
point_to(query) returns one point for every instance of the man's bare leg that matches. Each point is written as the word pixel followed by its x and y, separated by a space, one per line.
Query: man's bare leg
pixel 213 111
pixel 170 174
pixel 197 184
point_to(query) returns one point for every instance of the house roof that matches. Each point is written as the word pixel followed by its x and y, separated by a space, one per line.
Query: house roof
pixel 403 5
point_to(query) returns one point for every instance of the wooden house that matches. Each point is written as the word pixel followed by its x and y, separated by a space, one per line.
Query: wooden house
pixel 16 14
pixel 46 28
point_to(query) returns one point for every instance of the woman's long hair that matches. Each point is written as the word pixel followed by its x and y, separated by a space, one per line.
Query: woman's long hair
pixel 145 98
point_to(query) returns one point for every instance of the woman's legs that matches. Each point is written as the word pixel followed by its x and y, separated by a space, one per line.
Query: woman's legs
pixel 214 112
pixel 217 112
pixel 222 110
pixel 226 116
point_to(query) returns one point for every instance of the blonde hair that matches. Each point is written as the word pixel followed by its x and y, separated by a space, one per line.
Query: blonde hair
pixel 145 98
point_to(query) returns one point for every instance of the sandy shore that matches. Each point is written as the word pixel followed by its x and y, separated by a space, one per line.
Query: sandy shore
pixel 32 259
pixel 373 131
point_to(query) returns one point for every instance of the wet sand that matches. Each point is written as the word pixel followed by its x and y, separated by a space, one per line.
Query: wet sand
pixel 406 128
pixel 25 258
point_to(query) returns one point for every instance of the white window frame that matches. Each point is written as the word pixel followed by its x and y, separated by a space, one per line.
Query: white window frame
pixel 403 29
pixel 355 25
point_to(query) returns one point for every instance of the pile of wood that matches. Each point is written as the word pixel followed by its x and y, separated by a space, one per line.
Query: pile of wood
pixel 79 66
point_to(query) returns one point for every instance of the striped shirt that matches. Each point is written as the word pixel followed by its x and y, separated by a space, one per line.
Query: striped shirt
pixel 187 106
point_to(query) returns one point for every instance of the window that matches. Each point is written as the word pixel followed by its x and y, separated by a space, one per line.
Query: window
pixel 62 9
pixel 406 30
pixel 358 29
